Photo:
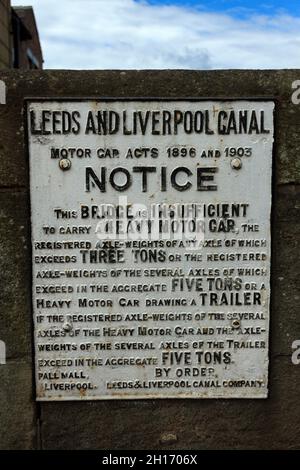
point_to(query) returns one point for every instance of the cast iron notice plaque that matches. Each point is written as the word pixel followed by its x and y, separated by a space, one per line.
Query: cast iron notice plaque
pixel 150 247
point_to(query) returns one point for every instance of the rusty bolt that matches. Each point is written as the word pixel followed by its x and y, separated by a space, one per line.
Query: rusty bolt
pixel 67 326
pixel 64 164
pixel 168 438
pixel 236 163
pixel 236 324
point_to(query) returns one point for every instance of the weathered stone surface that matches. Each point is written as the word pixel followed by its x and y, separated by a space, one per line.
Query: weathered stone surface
pixel 15 271
pixel 285 292
pixel 18 409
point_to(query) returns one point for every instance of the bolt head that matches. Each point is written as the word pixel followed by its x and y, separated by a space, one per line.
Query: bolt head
pixel 236 163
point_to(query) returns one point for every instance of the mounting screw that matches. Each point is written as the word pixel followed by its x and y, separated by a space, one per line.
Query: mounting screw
pixel 236 163
pixel 236 324
pixel 64 164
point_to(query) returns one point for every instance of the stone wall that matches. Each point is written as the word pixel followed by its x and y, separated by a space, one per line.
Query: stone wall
pixel 5 26
pixel 273 423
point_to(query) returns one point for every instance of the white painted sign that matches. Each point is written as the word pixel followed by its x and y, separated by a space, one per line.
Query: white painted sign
pixel 151 247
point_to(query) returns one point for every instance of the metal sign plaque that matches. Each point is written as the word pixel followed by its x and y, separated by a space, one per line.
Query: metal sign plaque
pixel 150 247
